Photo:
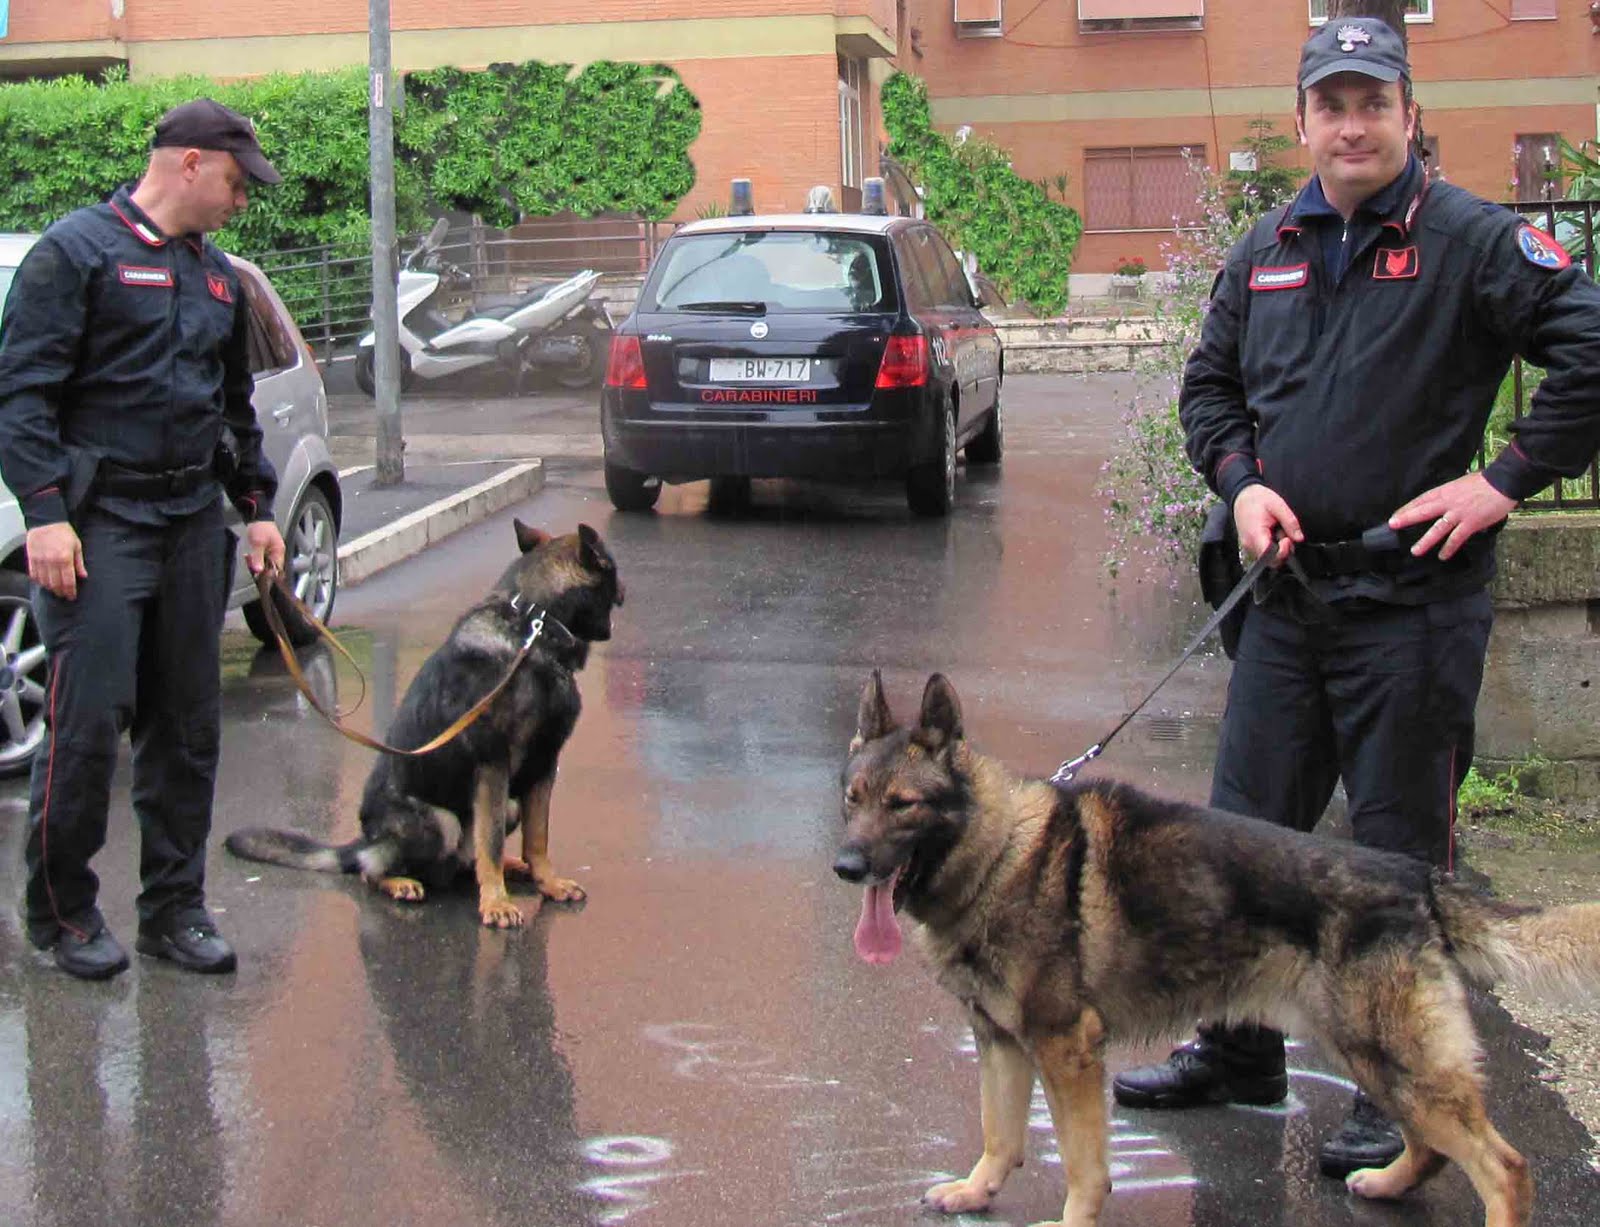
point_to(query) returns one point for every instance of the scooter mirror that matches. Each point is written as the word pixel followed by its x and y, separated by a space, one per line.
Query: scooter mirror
pixel 436 235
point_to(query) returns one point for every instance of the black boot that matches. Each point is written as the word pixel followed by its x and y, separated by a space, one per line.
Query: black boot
pixel 89 956
pixel 1223 1065
pixel 1367 1138
pixel 191 941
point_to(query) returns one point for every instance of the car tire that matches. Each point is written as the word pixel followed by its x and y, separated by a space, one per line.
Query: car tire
pixel 631 491
pixel 312 562
pixel 23 677
pixel 931 487
pixel 988 444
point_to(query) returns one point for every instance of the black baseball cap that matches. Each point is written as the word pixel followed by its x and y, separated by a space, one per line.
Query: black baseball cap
pixel 1353 44
pixel 207 124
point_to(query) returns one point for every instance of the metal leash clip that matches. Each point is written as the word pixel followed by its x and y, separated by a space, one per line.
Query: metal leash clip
pixel 535 629
pixel 1072 766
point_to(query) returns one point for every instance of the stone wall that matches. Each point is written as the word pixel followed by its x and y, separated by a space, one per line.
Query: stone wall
pixel 1541 687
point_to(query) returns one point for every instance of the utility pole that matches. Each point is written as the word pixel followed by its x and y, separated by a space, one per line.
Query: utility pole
pixel 390 459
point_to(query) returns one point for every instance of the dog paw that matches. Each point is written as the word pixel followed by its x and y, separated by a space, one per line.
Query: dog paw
pixel 1375 1183
pixel 501 914
pixel 561 890
pixel 403 890
pixel 957 1197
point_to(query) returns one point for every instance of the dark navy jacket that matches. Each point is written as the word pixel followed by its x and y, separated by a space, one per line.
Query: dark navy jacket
pixel 1350 398
pixel 131 347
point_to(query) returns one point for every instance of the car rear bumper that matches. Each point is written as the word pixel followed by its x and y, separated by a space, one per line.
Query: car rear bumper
pixel 678 447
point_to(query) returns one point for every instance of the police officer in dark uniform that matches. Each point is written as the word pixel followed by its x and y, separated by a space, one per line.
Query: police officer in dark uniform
pixel 1349 361
pixel 125 416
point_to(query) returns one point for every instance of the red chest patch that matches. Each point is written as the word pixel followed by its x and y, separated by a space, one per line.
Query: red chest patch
pixel 1396 264
pixel 1291 277
pixel 218 286
pixel 138 274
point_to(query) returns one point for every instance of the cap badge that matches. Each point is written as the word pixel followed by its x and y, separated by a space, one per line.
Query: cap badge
pixel 1351 36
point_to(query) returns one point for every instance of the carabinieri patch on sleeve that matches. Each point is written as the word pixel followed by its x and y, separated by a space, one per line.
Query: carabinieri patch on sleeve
pixel 1291 277
pixel 1540 249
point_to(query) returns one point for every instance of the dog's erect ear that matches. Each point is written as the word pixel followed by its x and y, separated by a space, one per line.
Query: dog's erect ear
pixel 872 718
pixel 528 538
pixel 940 719
pixel 591 551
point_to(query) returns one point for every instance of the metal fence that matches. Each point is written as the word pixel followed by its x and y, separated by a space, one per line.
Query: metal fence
pixel 1572 223
pixel 328 289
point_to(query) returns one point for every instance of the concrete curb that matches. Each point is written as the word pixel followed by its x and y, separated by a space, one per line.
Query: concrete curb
pixel 411 534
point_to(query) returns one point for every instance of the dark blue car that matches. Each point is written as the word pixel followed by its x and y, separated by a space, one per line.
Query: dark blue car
pixel 820 346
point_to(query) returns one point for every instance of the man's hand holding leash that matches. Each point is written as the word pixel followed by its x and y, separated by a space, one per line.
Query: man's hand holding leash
pixel 1458 509
pixel 265 544
pixel 1265 522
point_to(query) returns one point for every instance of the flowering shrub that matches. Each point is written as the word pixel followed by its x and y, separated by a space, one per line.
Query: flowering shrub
pixel 1155 502
pixel 1131 268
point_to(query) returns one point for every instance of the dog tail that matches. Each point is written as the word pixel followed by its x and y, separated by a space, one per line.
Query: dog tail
pixel 294 850
pixel 1553 952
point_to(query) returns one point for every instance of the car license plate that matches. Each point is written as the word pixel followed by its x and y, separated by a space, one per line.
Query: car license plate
pixel 760 370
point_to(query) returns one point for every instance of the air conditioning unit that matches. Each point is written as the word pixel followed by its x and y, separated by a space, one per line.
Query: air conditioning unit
pixel 979 18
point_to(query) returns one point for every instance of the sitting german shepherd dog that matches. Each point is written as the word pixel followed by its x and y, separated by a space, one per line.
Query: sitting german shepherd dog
pixel 1062 916
pixel 435 815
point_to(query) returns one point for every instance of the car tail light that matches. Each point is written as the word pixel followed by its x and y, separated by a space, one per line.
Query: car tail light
pixel 625 365
pixel 905 363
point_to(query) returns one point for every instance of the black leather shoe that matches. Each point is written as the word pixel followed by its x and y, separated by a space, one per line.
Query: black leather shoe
pixel 90 958
pixel 192 942
pixel 1210 1070
pixel 1367 1138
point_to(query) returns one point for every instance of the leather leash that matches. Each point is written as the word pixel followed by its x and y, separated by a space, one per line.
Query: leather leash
pixel 269 580
pixel 1072 766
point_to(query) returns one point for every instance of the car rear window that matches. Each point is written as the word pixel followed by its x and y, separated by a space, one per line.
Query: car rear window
pixel 783 270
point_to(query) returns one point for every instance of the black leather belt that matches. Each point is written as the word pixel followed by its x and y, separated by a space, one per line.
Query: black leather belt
pixel 120 481
pixel 1380 549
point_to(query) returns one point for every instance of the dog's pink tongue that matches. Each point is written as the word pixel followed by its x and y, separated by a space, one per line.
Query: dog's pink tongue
pixel 878 932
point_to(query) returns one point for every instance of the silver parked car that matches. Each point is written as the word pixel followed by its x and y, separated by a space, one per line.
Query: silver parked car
pixel 292 408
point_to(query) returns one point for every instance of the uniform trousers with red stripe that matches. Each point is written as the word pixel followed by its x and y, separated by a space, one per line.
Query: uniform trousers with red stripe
pixel 136 652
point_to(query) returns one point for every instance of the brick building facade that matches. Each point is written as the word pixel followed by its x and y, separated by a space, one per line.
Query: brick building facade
pixel 1108 92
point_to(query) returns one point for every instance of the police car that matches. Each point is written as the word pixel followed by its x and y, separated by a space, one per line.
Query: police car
pixel 818 345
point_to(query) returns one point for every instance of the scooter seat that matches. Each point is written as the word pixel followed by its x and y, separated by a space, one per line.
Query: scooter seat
pixel 498 306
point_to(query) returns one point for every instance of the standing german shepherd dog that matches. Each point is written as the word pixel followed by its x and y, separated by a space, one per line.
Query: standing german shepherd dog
pixel 1062 916
pixel 431 817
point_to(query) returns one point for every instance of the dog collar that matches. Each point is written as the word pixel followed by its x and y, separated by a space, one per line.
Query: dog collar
pixel 539 623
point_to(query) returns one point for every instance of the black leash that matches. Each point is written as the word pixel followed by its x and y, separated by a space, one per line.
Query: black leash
pixel 1373 542
pixel 1071 767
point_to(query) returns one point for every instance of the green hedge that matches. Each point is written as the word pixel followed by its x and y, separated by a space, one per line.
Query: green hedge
pixel 512 139
pixel 1021 238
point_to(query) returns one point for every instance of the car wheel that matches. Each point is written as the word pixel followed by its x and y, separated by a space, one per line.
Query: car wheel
pixel 23 677
pixel 312 563
pixel 631 491
pixel 931 488
pixel 989 443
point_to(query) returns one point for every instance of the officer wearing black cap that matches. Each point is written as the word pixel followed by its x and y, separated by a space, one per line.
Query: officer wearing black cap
pixel 1346 370
pixel 125 418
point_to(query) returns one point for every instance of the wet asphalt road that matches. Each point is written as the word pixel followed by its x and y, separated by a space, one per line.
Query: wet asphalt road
pixel 698 1045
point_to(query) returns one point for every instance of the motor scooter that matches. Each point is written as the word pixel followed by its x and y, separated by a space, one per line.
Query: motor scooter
pixel 551 328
